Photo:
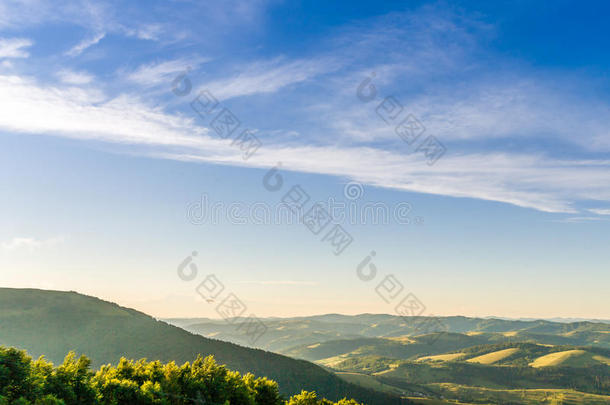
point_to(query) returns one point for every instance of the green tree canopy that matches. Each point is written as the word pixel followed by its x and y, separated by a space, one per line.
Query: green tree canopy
pixel 24 381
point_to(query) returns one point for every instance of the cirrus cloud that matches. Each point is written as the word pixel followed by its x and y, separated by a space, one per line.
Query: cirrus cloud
pixel 13 47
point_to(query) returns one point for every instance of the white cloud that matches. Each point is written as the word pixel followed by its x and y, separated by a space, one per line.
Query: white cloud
pixel 533 181
pixel 81 114
pixel 205 18
pixel 150 32
pixel 85 43
pixel 22 12
pixel 155 73
pixel 518 107
pixel 600 211
pixel 96 16
pixel 527 181
pixel 13 47
pixel 77 78
pixel 269 77
pixel 518 110
pixel 31 243
pixel 446 85
pixel 481 109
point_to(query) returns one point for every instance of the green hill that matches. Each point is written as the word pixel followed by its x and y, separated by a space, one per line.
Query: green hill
pixel 571 358
pixel 52 323
pixel 500 367
pixel 281 335
pixel 403 349
pixel 286 334
pixel 531 354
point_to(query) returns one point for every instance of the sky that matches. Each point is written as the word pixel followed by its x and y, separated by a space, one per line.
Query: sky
pixel 476 133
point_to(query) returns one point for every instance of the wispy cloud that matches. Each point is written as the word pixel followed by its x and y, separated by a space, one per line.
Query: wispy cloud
pixel 30 243
pixel 268 77
pixel 152 74
pixel 27 13
pixel 85 43
pixel 150 32
pixel 81 114
pixel 528 106
pixel 72 77
pixel 180 19
pixel 600 211
pixel 474 109
pixel 446 86
pixel 533 181
pixel 13 47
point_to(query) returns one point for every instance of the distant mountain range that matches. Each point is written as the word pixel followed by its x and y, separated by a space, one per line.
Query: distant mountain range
pixel 286 333
pixel 564 320
pixel 186 321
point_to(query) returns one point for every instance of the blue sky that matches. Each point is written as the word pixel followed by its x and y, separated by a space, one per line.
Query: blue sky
pixel 100 160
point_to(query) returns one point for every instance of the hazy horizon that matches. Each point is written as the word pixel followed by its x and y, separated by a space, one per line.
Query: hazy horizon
pixel 216 317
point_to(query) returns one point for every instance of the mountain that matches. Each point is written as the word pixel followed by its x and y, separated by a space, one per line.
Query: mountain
pixel 555 319
pixel 52 323
pixel 285 334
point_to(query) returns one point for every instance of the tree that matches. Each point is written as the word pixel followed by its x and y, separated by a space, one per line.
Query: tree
pixel 24 382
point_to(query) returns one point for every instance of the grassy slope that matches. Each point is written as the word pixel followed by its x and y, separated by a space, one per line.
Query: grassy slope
pixel 442 357
pixel 527 354
pixel 570 358
pixel 493 357
pixel 53 323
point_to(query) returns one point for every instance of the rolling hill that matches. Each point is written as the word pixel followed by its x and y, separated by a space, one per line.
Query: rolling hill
pixel 570 358
pixel 487 372
pixel 527 354
pixel 493 357
pixel 403 349
pixel 52 323
pixel 288 333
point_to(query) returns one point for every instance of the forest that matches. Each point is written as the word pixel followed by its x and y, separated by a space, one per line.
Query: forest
pixel 24 381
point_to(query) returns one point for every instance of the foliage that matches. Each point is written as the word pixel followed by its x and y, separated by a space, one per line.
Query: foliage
pixel 24 381
pixel 310 398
